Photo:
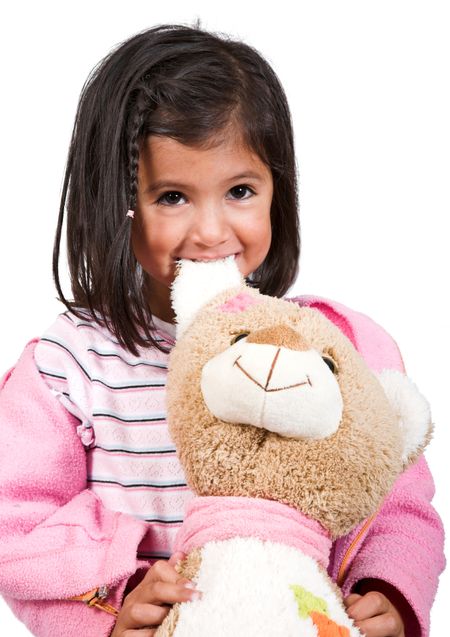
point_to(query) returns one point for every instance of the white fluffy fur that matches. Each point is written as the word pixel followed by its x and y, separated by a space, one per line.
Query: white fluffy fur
pixel 197 282
pixel 245 584
pixel 411 407
pixel 236 389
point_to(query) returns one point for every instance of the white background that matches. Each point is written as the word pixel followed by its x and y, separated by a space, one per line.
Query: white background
pixel 368 86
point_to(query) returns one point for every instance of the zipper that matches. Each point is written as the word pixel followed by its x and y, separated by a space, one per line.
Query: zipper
pixel 96 598
pixel 354 542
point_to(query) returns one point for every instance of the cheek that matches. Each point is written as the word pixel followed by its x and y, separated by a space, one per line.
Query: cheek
pixel 153 240
pixel 257 242
pixel 149 248
pixel 140 245
pixel 259 236
pixel 262 246
pixel 266 234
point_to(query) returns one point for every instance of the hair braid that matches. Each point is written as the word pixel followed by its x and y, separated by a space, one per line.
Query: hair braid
pixel 136 124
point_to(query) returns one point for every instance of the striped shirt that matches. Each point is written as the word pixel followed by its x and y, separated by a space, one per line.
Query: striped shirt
pixel 119 400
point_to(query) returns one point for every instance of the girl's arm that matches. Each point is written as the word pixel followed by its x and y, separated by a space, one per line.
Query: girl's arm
pixel 403 547
pixel 57 540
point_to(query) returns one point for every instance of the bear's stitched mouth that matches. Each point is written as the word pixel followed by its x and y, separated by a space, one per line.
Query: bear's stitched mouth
pixel 265 388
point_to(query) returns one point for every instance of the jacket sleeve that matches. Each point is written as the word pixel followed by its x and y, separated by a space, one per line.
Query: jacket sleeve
pixel 57 540
pixel 404 547
pixel 404 544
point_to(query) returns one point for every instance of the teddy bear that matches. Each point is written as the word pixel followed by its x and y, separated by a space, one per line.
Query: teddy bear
pixel 288 441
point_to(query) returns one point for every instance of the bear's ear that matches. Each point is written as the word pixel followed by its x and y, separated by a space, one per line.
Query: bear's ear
pixel 197 282
pixel 412 410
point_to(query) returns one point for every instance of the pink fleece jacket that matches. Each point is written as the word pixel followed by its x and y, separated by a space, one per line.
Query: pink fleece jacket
pixel 57 539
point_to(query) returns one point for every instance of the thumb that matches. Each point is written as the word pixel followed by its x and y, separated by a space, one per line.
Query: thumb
pixel 351 599
pixel 179 556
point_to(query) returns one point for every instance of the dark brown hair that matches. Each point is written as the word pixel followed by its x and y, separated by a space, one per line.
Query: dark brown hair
pixel 191 85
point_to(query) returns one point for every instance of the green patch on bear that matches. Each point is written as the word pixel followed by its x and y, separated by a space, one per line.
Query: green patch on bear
pixel 307 602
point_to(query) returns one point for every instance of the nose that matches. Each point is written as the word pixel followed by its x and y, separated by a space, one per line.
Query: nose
pixel 210 227
pixel 279 336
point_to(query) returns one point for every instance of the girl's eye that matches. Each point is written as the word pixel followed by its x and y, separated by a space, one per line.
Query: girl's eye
pixel 172 198
pixel 330 362
pixel 238 337
pixel 242 188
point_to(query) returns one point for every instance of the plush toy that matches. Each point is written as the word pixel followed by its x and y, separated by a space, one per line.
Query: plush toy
pixel 288 441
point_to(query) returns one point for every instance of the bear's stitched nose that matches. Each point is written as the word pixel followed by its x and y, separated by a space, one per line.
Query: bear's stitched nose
pixel 265 387
pixel 280 336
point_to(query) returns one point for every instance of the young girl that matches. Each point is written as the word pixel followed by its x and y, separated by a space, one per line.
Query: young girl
pixel 182 148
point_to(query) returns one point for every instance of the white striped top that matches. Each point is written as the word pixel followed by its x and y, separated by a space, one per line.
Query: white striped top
pixel 119 400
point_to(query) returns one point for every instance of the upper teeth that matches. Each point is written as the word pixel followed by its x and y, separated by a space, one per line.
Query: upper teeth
pixel 206 260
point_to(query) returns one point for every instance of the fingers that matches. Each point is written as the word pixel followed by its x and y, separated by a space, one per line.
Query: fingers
pixel 142 615
pixel 163 585
pixel 351 599
pixel 368 605
pixel 178 556
pixel 374 615
pixel 167 593
pixel 146 606
pixel 150 605
pixel 380 626
pixel 161 571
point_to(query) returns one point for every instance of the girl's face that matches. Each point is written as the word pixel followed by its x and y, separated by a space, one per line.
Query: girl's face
pixel 198 204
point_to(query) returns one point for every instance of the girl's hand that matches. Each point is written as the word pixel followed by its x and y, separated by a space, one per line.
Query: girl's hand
pixel 374 615
pixel 145 607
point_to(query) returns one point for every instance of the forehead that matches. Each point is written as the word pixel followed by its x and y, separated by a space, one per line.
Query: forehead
pixel 165 158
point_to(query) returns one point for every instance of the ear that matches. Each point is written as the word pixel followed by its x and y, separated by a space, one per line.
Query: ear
pixel 197 282
pixel 413 412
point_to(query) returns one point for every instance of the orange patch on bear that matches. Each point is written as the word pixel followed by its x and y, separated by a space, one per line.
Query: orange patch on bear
pixel 326 627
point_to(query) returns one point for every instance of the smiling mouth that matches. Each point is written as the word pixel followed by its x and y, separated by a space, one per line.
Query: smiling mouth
pixel 207 259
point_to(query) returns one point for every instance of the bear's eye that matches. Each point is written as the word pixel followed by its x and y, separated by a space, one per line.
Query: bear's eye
pixel 330 362
pixel 238 337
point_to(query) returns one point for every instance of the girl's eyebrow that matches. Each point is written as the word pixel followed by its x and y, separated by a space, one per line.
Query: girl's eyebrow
pixel 157 185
